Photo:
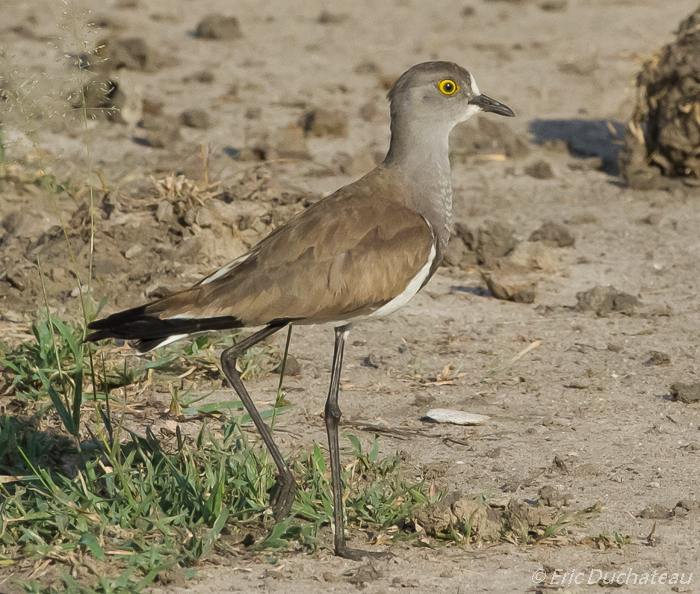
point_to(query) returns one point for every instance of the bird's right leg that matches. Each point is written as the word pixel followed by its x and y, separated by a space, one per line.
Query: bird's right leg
pixel 283 496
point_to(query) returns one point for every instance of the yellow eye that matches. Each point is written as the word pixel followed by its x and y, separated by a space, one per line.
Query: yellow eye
pixel 448 87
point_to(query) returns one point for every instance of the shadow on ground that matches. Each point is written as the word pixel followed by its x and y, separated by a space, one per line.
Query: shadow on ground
pixel 585 138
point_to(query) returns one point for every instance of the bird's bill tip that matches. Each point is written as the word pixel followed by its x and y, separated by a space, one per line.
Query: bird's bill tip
pixel 491 105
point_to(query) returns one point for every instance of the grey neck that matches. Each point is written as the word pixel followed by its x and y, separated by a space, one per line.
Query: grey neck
pixel 419 153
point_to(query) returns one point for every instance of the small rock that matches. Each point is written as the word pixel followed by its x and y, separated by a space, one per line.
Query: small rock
pixel 540 170
pixel 132 53
pixel 534 256
pixel 165 211
pixel 372 360
pixel 455 253
pixel 253 113
pixel 195 118
pixel 554 233
pixel 510 287
pixel 205 77
pixel 687 393
pixel 368 111
pixel 490 243
pixel 653 219
pixel 161 131
pixel 367 67
pixel 329 18
pixel 16 279
pixel 655 512
pixel 605 300
pixel 218 26
pixel 467 11
pixel 190 217
pixel 134 250
pixel 325 122
pixel 657 358
pixel 614 347
pixel 456 417
pixel 550 497
pixel 554 5
pixel 205 218
pixel 292 368
pixel 289 143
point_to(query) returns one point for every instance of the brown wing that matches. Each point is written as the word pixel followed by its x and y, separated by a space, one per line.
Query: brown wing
pixel 345 256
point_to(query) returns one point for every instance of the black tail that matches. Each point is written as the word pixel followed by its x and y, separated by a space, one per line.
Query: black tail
pixel 149 331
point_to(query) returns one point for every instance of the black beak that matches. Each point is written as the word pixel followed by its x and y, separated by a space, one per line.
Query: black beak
pixel 488 104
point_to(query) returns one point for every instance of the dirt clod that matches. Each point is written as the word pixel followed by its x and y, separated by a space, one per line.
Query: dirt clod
pixel 554 233
pixel 606 300
pixel 664 132
pixel 540 170
pixel 657 358
pixel 325 122
pixel 195 118
pixel 655 512
pixel 218 26
pixel 510 287
pixel 687 393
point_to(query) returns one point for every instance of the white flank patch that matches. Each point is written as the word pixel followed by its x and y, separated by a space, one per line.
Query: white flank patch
pixel 167 341
pixel 456 417
pixel 475 87
pixel 408 293
pixel 225 269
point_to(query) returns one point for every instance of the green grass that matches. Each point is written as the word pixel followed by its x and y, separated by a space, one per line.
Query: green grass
pixel 119 507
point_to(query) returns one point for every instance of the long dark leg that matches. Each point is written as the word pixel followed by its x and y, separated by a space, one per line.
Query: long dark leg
pixel 333 415
pixel 332 421
pixel 284 492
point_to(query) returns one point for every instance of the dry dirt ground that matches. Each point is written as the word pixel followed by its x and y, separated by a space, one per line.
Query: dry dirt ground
pixel 593 393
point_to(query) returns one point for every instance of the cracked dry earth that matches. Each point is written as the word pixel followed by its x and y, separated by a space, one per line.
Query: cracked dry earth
pixel 588 411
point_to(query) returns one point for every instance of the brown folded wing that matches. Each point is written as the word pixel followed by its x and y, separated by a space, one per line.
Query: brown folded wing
pixel 345 256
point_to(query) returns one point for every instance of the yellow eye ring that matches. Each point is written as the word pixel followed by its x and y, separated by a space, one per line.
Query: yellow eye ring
pixel 448 87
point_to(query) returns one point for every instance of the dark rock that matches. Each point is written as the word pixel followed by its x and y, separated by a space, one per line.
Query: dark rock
pixel 132 53
pixel 550 497
pixel 540 170
pixel 687 393
pixel 605 300
pixel 218 26
pixel 329 18
pixel 510 287
pixel 325 122
pixel 655 512
pixel 288 143
pixel 367 67
pixel 657 358
pixel 253 113
pixel 554 5
pixel 493 241
pixel 553 233
pixel 368 111
pixel 195 118
pixel 161 131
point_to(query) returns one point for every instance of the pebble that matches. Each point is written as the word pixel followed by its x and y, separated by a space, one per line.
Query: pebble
pixel 218 26
pixel 456 417
pixel 135 249
pixel 325 122
pixel 195 118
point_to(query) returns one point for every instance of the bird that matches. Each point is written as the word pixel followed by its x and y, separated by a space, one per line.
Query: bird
pixel 358 254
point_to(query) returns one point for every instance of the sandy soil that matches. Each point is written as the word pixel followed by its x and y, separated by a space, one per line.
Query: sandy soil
pixel 591 393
